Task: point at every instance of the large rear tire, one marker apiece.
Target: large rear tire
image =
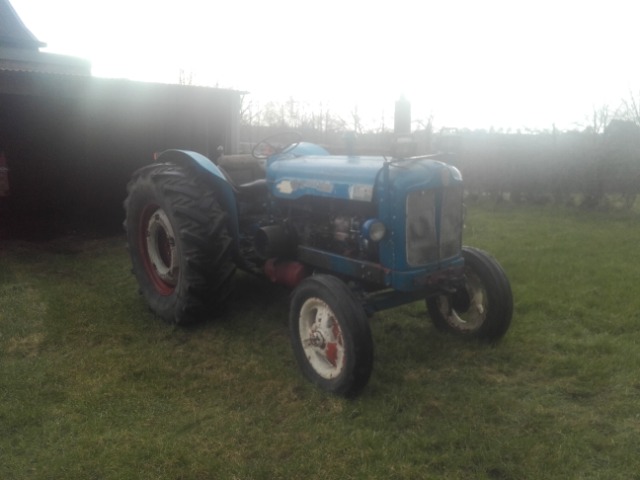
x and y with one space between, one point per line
330 335
483 307
179 243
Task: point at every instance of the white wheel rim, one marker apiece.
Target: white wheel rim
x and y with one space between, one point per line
161 247
475 315
321 338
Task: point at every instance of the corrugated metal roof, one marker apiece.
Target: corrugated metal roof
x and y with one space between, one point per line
19 59
14 33
38 83
19 49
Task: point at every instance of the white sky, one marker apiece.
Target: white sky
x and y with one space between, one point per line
475 64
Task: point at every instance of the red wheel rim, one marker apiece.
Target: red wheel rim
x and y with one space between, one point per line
157 246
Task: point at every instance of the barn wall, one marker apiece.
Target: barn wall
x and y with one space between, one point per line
72 144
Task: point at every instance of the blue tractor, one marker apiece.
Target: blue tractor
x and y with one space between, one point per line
350 235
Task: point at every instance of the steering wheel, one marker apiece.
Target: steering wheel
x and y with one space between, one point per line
277 143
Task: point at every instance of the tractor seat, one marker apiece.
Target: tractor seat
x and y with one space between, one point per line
243 168
246 174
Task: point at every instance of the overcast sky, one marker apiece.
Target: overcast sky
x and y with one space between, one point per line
475 64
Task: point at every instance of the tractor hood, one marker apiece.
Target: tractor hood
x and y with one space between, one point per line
343 177
351 177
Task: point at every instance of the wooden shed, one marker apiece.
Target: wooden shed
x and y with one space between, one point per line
69 141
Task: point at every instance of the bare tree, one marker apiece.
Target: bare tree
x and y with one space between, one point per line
250 112
357 121
631 108
184 77
600 118
595 158
292 108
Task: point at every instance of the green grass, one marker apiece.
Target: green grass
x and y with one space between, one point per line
92 386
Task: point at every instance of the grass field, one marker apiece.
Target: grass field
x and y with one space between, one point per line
92 386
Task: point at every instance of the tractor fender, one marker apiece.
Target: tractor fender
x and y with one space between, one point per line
224 188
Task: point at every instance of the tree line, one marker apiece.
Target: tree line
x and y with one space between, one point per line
592 166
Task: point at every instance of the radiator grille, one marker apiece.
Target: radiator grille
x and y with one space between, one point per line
451 222
434 225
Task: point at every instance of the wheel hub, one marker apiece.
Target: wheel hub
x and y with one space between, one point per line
317 340
460 300
161 248
322 339
465 310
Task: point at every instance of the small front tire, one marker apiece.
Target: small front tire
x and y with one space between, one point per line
330 335
482 307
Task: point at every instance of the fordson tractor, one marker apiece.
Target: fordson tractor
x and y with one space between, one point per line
349 235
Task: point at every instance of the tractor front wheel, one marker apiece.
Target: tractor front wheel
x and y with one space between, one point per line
330 335
179 243
482 307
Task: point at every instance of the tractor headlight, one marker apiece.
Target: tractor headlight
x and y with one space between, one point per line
455 173
373 230
448 173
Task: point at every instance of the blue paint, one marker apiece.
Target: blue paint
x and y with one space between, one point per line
405 177
301 149
308 170
349 178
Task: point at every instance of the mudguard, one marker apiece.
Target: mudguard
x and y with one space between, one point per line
207 167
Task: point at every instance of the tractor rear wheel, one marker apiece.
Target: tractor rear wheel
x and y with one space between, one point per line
483 307
179 243
330 335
